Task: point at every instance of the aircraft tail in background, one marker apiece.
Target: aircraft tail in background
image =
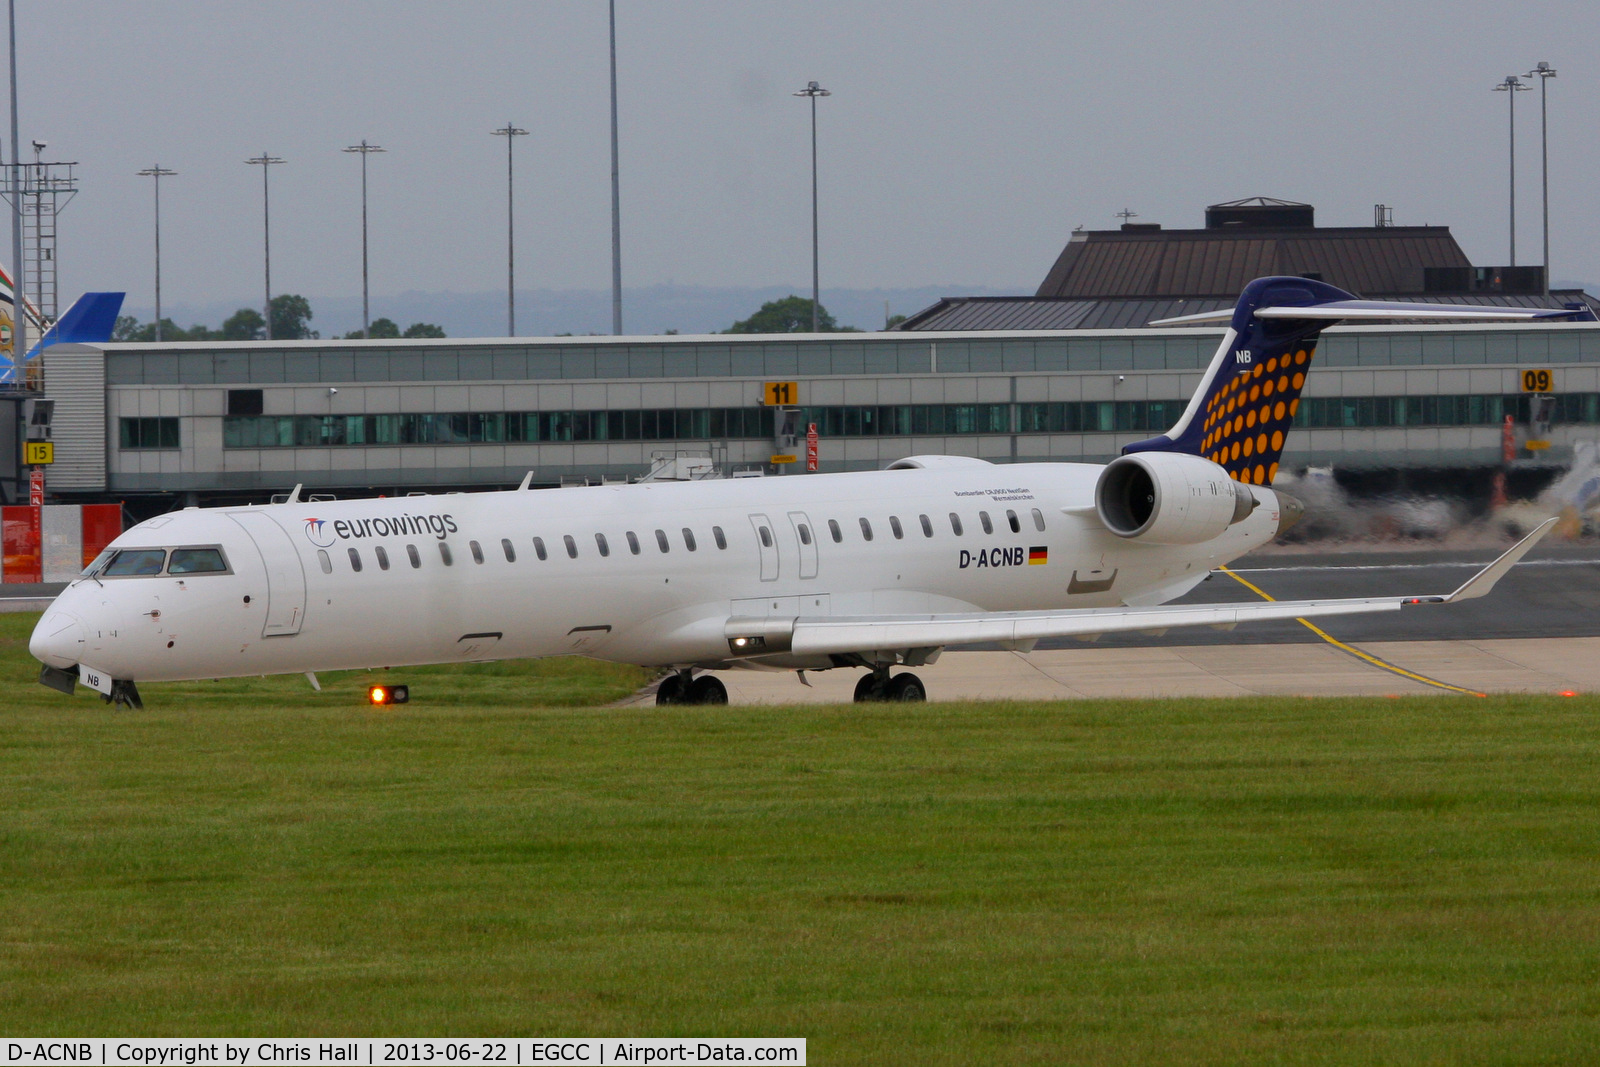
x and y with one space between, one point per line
1247 400
89 320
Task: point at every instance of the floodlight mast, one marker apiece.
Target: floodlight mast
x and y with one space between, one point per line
266 162
1511 87
813 90
510 132
616 189
19 290
365 150
1544 72
157 172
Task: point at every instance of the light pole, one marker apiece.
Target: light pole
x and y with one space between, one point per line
616 190
813 90
510 132
18 268
158 172
366 150
266 163
1511 87
1544 72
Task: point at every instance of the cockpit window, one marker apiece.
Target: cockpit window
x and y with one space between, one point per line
136 561
99 561
196 561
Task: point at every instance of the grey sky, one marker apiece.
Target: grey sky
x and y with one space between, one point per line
962 145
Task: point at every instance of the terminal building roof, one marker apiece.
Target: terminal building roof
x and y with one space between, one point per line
1124 278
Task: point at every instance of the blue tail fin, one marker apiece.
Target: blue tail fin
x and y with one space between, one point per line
1242 412
1247 400
89 320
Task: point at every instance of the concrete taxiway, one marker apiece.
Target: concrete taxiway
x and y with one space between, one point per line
1496 666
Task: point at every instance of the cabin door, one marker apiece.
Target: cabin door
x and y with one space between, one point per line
286 579
805 536
767 541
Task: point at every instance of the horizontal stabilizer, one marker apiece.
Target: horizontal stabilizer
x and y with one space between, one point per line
1376 311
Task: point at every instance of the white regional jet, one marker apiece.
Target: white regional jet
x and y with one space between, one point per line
868 570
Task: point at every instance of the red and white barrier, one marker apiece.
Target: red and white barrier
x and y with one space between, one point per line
54 542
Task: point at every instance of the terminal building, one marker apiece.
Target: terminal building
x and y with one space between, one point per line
1047 377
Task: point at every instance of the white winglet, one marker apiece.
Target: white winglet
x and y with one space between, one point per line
1484 580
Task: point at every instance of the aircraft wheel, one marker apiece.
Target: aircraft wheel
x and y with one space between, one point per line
707 689
867 691
907 688
671 690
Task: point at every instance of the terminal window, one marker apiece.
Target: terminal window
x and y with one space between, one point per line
244 402
146 434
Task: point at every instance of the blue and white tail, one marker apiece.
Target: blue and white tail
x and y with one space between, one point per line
1242 412
90 320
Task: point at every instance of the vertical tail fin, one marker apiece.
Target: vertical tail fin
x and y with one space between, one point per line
90 320
1241 415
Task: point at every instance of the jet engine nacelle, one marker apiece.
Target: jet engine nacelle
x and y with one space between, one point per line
1169 498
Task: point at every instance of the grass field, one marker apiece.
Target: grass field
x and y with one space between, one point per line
1210 882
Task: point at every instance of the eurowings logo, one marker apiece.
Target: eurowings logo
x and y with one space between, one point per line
318 533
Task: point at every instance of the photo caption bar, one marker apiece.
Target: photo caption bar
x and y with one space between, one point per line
308 1052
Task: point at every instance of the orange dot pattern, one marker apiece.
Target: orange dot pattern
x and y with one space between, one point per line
1247 421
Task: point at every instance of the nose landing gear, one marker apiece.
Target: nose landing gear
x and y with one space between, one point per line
123 694
878 687
681 687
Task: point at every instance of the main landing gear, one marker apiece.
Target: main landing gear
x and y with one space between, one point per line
681 687
877 687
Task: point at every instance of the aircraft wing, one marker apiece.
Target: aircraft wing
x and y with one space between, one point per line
824 635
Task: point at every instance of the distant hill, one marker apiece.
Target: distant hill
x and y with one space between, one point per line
545 312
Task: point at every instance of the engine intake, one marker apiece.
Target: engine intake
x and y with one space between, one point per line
1169 498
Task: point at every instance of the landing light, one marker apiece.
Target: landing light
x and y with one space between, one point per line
379 695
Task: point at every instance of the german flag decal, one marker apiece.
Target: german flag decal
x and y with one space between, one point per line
1038 554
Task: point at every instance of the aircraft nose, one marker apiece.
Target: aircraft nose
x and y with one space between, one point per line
58 639
1290 511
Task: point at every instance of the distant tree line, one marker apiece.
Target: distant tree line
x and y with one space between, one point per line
291 321
792 314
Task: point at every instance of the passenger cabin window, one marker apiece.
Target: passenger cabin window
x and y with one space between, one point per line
955 524
355 560
1016 523
866 529
688 539
927 525
805 533
506 547
894 527
196 561
766 537
717 536
572 546
416 558
661 541
983 520
538 548
633 542
833 528
600 543
477 551
1038 520
136 562
383 558
324 562
444 554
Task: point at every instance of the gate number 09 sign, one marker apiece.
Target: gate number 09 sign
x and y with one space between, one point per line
1537 381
